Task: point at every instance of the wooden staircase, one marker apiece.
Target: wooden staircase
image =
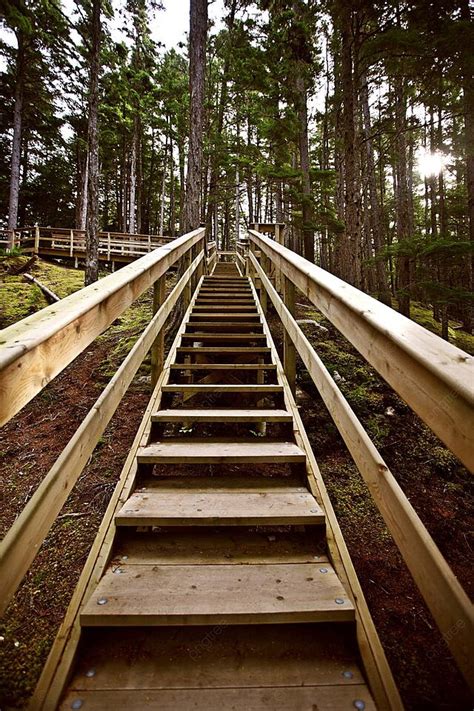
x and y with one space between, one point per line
219 592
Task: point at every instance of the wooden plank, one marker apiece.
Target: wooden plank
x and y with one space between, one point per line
222 415
225 300
227 307
248 389
210 450
240 483
218 594
322 698
443 593
285 655
223 366
155 506
225 326
202 350
226 289
22 542
434 377
229 547
223 337
35 350
198 315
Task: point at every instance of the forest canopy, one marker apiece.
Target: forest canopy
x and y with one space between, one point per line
350 122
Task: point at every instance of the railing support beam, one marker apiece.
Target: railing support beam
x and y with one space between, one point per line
289 351
158 347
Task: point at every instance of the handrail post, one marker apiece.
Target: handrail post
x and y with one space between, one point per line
158 347
264 261
71 243
201 246
108 246
187 258
289 351
37 240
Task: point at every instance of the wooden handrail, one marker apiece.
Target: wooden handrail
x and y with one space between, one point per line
35 350
449 604
102 234
435 378
22 542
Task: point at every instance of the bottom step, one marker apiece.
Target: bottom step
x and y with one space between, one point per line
322 698
194 665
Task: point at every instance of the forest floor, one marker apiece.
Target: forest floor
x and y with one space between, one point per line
437 485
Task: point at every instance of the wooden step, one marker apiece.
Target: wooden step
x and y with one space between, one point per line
222 415
229 546
225 290
228 309
225 299
309 657
224 325
223 366
223 336
322 698
248 389
212 450
218 316
243 289
203 350
219 595
290 655
159 505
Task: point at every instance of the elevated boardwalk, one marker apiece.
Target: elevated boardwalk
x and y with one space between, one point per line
219 578
70 244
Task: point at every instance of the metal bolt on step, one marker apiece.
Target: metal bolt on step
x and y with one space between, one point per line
314 510
90 673
359 704
347 674
324 570
339 601
77 704
102 601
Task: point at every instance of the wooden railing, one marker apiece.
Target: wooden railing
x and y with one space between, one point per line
113 246
434 378
35 350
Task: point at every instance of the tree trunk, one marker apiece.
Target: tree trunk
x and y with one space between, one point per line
17 127
221 101
402 198
376 220
133 176
82 218
348 248
303 145
92 236
197 68
468 110
163 189
172 220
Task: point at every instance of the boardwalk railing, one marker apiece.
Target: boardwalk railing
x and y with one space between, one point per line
35 350
113 246
434 378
